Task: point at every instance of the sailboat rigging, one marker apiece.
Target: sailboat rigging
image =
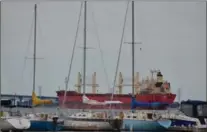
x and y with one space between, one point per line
141 120
35 100
85 99
71 60
119 55
135 103
89 120
37 124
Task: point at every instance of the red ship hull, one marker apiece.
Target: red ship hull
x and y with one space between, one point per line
74 100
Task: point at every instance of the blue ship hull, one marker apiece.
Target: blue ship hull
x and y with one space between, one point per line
135 104
182 122
38 125
143 125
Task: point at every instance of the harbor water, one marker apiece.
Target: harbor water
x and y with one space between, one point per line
132 131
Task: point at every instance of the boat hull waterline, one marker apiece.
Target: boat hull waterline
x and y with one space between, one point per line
92 124
183 123
38 125
145 125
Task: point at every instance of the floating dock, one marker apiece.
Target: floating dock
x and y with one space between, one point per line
189 129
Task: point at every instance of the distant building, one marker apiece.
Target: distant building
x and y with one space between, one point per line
11 100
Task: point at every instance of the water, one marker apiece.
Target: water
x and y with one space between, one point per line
121 131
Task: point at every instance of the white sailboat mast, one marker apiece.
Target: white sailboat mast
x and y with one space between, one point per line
133 49
84 48
35 42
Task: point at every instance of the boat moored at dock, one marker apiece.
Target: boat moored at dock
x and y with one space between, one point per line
44 122
179 119
8 122
144 121
90 121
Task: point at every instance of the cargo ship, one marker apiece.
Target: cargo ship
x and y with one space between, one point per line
148 90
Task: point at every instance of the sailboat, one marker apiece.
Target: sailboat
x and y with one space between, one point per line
142 120
14 123
182 118
88 120
179 119
8 122
41 122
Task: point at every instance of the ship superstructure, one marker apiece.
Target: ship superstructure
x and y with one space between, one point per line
148 89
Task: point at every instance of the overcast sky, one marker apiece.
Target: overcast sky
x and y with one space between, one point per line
172 36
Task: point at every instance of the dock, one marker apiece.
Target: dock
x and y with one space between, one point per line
189 129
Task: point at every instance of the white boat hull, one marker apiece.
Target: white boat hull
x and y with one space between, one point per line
5 125
87 125
91 121
14 123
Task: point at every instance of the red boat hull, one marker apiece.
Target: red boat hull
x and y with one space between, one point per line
162 98
74 100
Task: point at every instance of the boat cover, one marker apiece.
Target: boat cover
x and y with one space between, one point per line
86 100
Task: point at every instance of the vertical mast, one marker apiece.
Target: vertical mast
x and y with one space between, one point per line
84 48
0 56
35 39
179 95
206 40
132 48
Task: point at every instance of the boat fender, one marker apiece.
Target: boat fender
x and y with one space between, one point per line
144 116
105 115
20 121
41 116
99 115
1 114
102 115
189 126
46 117
205 119
156 116
121 115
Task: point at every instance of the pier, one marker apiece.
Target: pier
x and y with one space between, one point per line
188 129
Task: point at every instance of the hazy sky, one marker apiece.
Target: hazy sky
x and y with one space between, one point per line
172 36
